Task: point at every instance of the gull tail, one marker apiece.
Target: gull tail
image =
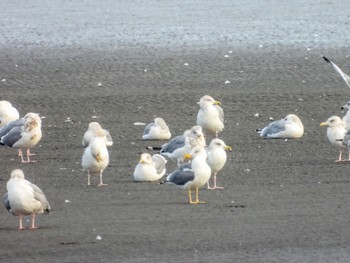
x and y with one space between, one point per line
153 148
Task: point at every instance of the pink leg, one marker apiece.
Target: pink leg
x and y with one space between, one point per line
33 222
215 186
20 153
20 223
101 183
29 153
89 183
340 155
208 185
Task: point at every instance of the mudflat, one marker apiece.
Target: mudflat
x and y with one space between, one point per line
123 63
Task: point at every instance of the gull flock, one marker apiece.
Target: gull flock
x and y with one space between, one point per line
197 163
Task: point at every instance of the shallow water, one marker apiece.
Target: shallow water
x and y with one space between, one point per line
113 24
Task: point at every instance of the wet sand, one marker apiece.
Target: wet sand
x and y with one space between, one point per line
284 200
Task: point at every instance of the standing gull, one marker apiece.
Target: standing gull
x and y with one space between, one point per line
196 177
8 113
210 115
289 127
149 168
217 157
346 117
93 130
177 147
346 143
24 198
156 130
345 77
335 133
95 157
24 136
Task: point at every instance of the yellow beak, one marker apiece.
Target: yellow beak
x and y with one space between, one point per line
229 148
187 156
324 124
217 102
98 158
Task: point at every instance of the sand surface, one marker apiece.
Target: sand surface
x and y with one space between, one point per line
121 62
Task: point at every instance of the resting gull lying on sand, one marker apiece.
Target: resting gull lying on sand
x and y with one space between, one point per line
210 115
194 178
24 198
335 133
156 130
150 168
289 127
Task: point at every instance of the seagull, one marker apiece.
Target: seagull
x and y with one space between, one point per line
335 133
345 77
22 136
346 117
95 158
24 198
156 130
194 178
93 130
210 115
177 147
289 127
150 168
346 142
8 113
216 158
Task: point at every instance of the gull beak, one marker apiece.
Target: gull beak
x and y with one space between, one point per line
187 156
229 148
98 158
323 124
142 161
217 103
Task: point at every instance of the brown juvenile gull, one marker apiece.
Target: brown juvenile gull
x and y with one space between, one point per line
24 198
210 115
92 131
290 127
194 178
23 136
95 158
156 130
150 168
217 157
8 113
335 133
